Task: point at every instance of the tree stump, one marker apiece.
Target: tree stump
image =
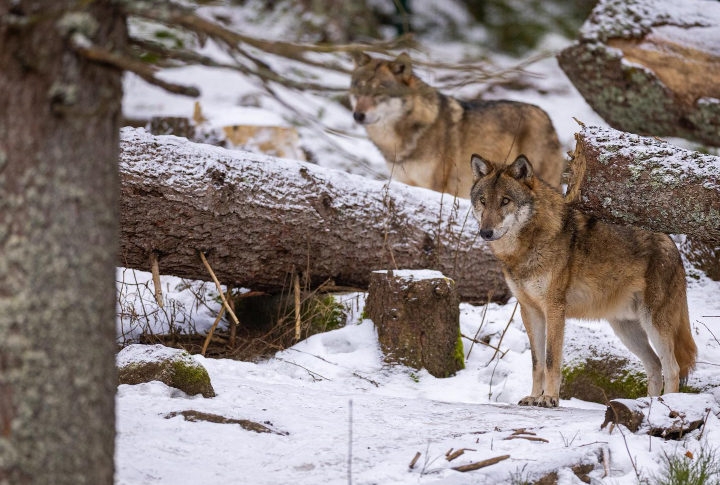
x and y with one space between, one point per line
417 316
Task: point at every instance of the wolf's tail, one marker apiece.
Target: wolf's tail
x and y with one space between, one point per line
685 348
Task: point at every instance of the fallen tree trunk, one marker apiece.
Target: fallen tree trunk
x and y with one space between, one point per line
259 219
628 179
651 67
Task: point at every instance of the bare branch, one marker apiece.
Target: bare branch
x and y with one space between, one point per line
172 14
87 49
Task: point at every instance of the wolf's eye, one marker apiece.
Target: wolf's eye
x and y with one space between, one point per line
504 201
482 200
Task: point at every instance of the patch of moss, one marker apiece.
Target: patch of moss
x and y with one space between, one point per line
459 353
191 378
601 380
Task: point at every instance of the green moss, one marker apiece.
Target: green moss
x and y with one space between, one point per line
191 378
325 314
600 380
459 353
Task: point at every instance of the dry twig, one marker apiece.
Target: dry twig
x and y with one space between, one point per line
481 464
219 288
155 270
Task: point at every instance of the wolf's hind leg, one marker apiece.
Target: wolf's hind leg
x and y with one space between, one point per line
632 334
663 341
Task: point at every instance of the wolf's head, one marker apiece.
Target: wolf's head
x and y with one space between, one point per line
382 90
501 196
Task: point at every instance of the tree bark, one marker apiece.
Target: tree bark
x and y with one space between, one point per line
647 72
258 218
59 123
628 179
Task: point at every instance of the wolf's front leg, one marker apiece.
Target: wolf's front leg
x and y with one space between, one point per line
534 322
553 358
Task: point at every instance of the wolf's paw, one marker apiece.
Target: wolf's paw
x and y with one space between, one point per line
547 401
528 401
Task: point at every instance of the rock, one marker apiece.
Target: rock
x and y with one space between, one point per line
602 378
175 368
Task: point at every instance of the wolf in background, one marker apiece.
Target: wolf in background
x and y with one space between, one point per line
427 137
561 263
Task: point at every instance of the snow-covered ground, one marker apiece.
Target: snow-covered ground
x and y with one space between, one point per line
340 411
342 415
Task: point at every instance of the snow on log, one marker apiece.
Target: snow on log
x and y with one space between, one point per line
258 219
671 416
651 66
629 179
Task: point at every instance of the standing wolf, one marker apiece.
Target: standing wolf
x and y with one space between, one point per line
427 137
561 263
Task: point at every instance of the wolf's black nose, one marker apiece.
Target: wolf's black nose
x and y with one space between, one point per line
486 234
359 117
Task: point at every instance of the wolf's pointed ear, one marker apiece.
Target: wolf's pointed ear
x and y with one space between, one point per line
402 66
360 58
480 167
521 169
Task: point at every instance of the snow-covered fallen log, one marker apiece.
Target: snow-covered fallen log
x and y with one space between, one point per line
258 219
651 66
629 179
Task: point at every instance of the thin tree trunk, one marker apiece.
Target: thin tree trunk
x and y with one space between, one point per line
629 179
59 122
258 219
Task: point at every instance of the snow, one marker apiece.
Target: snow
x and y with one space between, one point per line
350 417
308 391
137 353
619 18
415 274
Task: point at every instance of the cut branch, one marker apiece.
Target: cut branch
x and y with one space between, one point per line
257 218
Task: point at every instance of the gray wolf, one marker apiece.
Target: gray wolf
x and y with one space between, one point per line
427 137
561 263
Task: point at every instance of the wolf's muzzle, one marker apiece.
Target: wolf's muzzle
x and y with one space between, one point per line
487 234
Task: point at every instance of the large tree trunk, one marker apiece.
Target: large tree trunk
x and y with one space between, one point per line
258 219
628 179
648 72
59 122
